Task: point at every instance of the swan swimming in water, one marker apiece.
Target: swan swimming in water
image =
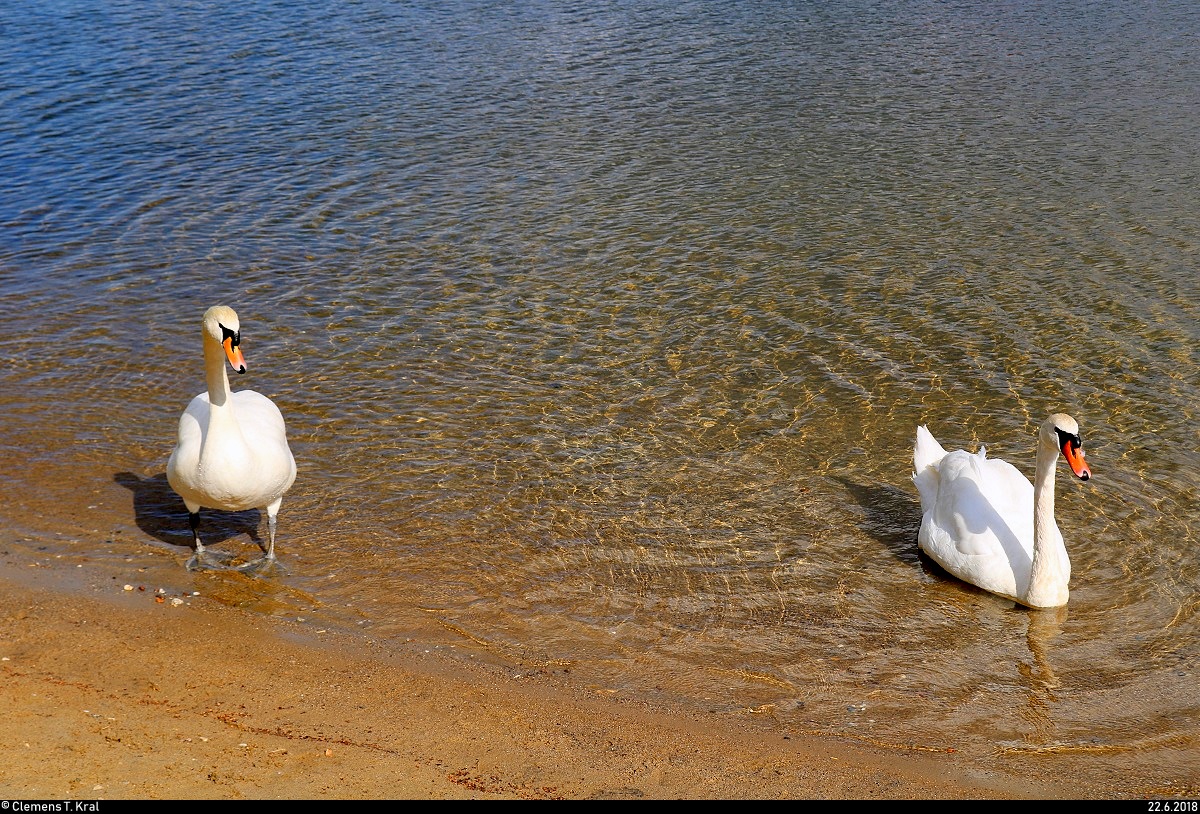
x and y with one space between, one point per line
232 452
987 525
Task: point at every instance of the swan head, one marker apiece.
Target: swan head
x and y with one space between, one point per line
221 327
1061 432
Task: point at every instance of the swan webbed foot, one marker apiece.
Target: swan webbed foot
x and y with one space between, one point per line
205 559
263 566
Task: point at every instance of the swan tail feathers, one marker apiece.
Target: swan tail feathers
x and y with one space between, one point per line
927 451
927 454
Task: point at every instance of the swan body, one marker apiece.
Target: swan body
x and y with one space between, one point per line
232 452
985 523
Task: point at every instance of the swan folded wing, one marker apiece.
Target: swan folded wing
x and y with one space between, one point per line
980 528
258 416
265 436
986 505
190 430
184 463
987 569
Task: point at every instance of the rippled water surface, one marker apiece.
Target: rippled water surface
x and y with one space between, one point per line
603 334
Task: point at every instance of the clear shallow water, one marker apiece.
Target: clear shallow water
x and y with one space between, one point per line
602 335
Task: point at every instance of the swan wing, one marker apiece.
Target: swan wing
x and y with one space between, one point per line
979 523
184 463
265 435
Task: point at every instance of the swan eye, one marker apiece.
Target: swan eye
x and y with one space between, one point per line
234 337
1065 438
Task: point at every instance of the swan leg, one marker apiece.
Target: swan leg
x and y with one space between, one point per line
268 561
202 557
194 522
197 560
271 537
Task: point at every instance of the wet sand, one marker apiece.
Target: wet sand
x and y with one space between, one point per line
122 696
116 687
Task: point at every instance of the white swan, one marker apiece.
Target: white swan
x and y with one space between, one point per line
987 525
232 453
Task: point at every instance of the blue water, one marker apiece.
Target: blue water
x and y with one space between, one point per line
603 333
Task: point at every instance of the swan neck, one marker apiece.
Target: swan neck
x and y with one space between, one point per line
1047 581
215 374
1043 495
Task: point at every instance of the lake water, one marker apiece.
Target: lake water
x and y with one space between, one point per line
602 335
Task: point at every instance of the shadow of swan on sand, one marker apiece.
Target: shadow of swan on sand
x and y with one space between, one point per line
161 513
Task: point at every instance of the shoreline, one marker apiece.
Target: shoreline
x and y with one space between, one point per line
134 694
250 691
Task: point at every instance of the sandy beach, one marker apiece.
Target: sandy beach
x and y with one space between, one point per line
128 697
116 689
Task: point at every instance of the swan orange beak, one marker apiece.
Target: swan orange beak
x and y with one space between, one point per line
1074 456
234 354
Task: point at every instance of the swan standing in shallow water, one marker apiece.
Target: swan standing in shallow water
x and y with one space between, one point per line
987 525
232 453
